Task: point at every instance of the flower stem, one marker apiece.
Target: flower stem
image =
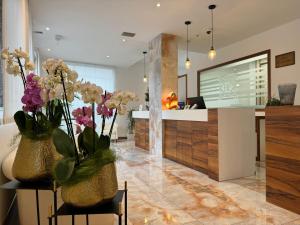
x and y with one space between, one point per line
22 72
113 123
94 129
103 117
69 121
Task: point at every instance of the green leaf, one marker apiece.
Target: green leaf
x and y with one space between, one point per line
91 165
20 120
29 123
57 114
63 143
87 140
64 169
104 142
80 141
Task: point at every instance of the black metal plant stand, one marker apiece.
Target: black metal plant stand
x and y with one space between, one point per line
36 186
112 207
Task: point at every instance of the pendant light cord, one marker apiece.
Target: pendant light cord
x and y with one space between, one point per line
144 63
187 41
212 28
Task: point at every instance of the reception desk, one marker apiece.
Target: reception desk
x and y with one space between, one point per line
218 142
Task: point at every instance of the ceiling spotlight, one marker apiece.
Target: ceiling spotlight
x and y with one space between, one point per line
158 4
123 39
107 56
47 28
49 50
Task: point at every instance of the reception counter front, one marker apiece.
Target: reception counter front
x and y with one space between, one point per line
218 142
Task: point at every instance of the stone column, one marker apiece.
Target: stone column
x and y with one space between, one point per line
163 72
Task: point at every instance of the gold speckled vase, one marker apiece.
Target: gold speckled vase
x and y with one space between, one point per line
101 187
35 160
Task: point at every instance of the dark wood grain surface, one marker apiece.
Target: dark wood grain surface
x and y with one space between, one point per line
170 136
213 148
199 146
186 142
283 156
142 133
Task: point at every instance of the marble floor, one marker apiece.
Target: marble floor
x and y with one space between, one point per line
164 192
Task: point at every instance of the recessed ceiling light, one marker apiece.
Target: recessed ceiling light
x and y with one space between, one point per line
123 39
49 50
47 28
107 56
158 4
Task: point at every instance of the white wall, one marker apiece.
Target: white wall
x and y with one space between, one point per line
130 79
280 40
197 60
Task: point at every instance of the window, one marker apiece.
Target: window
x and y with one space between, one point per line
101 76
240 83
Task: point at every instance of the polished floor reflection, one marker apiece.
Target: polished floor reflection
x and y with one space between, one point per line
164 192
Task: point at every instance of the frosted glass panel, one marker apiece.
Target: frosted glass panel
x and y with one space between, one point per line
240 84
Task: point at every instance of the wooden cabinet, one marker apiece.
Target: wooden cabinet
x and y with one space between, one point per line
199 146
142 133
283 156
213 144
186 142
170 143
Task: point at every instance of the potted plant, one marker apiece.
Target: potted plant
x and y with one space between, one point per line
273 102
87 171
36 154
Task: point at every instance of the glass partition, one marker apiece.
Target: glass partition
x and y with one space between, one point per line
242 83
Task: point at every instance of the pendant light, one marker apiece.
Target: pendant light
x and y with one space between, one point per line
145 79
187 61
212 52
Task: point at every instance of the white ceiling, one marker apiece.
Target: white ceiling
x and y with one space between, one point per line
92 28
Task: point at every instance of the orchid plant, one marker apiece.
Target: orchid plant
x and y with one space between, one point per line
86 155
31 121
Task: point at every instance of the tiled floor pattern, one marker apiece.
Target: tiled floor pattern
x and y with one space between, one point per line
164 192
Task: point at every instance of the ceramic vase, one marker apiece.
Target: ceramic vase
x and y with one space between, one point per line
35 160
97 189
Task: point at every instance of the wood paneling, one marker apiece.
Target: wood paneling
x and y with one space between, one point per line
199 146
147 135
213 148
170 136
142 133
283 156
186 142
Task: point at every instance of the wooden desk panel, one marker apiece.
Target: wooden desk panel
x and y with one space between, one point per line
142 133
283 156
170 136
199 146
146 135
213 146
184 142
